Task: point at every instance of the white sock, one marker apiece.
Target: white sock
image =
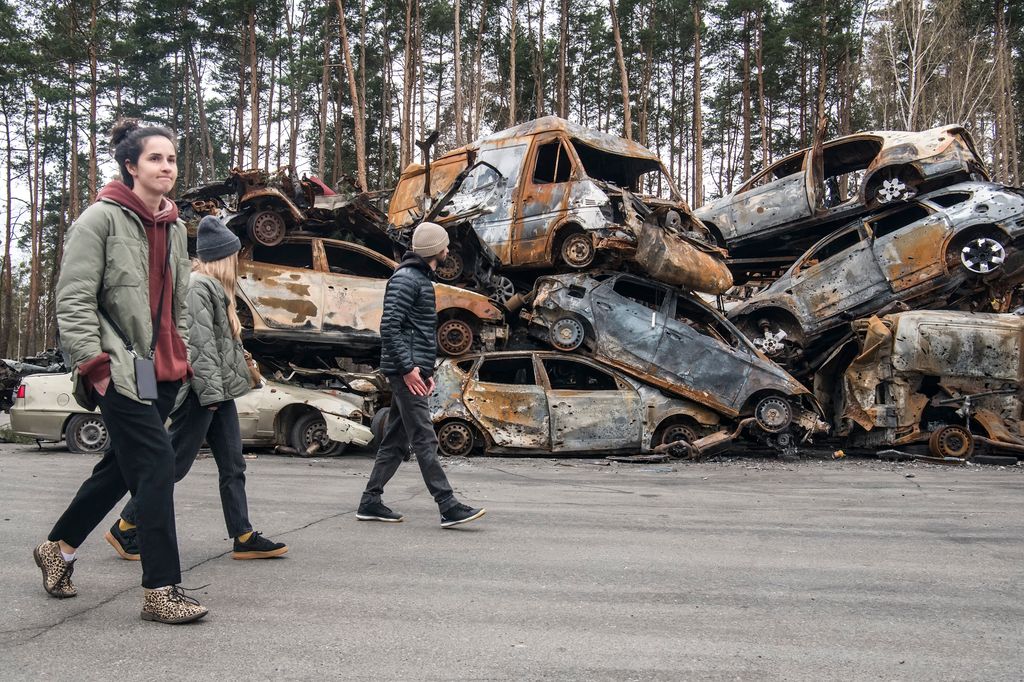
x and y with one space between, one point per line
68 557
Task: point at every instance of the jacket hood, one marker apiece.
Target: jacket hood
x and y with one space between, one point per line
121 194
414 260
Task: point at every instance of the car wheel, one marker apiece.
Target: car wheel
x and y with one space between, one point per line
311 428
266 228
982 255
86 433
567 334
774 338
773 414
455 438
455 336
951 441
451 269
377 424
503 291
578 250
673 432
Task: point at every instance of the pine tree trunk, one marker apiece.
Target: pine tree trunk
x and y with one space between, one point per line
357 104
512 65
698 131
407 82
254 93
563 46
6 294
746 98
627 121
760 89
93 85
206 145
35 208
76 200
478 71
459 140
325 95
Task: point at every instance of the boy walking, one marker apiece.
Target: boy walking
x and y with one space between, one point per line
408 334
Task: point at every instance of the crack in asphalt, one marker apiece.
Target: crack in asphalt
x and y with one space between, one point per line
571 485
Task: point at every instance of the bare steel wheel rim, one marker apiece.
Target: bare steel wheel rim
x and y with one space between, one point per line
267 228
455 337
678 432
316 432
451 269
92 435
456 439
578 250
567 334
982 255
773 414
953 441
503 289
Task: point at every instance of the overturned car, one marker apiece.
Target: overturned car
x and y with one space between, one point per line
308 295
951 380
544 402
672 340
951 247
550 194
815 188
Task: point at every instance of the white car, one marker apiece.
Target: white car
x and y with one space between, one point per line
312 422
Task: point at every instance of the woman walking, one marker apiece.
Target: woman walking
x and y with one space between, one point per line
220 375
121 315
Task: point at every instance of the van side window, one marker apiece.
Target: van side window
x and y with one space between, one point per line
553 164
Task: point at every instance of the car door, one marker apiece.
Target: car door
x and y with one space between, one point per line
907 242
629 320
543 200
354 285
776 196
590 409
702 354
505 398
495 228
283 285
839 274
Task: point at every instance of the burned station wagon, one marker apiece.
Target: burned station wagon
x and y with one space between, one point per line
937 249
949 379
851 175
553 194
542 402
327 293
671 340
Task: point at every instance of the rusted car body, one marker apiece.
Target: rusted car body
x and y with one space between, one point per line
940 249
306 421
313 293
266 207
552 194
808 191
671 340
952 379
544 402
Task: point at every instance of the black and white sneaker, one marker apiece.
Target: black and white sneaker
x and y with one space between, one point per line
460 514
377 511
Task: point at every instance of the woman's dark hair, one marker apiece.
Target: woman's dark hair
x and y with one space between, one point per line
127 138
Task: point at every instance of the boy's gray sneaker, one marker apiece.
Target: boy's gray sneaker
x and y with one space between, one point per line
460 514
377 511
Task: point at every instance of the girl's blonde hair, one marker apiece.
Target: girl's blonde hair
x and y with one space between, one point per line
225 271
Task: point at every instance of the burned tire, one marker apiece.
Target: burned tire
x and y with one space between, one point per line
455 438
452 268
951 441
567 334
266 228
311 428
674 431
377 426
578 250
87 434
455 336
773 414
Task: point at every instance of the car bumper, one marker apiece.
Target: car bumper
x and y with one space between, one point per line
38 424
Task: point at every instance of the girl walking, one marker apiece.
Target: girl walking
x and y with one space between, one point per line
121 315
220 375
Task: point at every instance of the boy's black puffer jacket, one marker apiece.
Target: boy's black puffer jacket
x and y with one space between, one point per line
408 328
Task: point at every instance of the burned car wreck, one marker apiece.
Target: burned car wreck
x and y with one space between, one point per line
951 380
550 194
948 248
544 402
309 295
803 194
674 341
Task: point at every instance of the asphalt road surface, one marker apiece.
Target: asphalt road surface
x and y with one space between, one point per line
742 569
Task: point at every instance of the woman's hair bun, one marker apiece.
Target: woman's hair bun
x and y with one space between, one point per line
121 130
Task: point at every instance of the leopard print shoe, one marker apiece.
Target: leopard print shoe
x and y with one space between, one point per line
56 571
171 605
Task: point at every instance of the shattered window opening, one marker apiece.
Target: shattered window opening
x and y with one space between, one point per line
645 295
344 261
570 375
704 322
780 170
288 254
837 244
507 371
621 171
465 366
950 199
553 164
897 220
